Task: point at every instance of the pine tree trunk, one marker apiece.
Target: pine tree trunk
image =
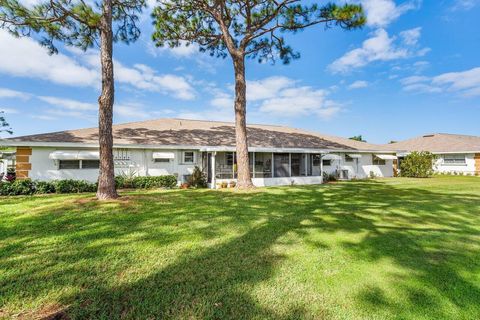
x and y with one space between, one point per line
106 180
244 180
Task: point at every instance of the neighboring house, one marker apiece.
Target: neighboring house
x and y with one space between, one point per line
278 155
455 153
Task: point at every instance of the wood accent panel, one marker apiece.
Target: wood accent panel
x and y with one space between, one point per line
477 163
22 158
24 151
22 174
23 165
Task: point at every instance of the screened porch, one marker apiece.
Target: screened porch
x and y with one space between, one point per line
269 165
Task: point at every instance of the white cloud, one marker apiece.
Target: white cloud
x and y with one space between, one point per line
8 110
23 57
413 79
267 88
185 50
298 102
410 37
358 84
26 58
68 103
381 13
379 47
465 83
464 4
8 93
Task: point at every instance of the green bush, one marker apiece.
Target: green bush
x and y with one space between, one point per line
417 165
18 187
125 180
328 177
74 186
28 187
154 182
197 179
43 187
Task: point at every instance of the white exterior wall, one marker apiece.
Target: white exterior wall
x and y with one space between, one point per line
360 168
141 162
284 181
467 168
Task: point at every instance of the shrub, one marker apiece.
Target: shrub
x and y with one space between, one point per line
417 165
329 177
74 186
11 175
197 179
43 187
18 187
125 180
154 182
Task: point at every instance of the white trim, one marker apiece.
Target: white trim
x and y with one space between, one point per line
163 155
331 156
354 155
386 156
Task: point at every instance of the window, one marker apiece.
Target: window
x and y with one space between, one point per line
69 164
327 162
90 164
377 161
188 157
454 159
229 158
348 158
78 164
158 160
316 160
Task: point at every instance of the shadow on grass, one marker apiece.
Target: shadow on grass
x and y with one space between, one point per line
224 247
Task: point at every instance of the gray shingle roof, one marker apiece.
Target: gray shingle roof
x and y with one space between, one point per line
439 142
163 132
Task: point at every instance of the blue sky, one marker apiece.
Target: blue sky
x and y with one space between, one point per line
413 69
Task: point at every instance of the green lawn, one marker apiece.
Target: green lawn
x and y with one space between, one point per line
383 249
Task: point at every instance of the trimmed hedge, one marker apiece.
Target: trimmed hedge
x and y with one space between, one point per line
146 182
29 187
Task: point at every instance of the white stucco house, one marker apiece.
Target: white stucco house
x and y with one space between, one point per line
278 155
459 154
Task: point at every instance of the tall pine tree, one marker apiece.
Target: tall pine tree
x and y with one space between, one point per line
245 29
84 25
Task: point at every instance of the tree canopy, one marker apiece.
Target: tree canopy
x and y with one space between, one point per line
4 125
73 22
358 138
254 27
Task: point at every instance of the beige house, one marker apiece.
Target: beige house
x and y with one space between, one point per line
456 153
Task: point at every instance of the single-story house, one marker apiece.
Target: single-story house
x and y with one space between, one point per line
278 155
455 153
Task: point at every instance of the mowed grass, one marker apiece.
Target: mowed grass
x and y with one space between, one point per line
382 249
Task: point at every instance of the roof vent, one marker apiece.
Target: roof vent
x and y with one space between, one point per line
428 135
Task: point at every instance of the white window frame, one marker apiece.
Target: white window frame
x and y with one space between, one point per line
455 159
80 164
188 162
